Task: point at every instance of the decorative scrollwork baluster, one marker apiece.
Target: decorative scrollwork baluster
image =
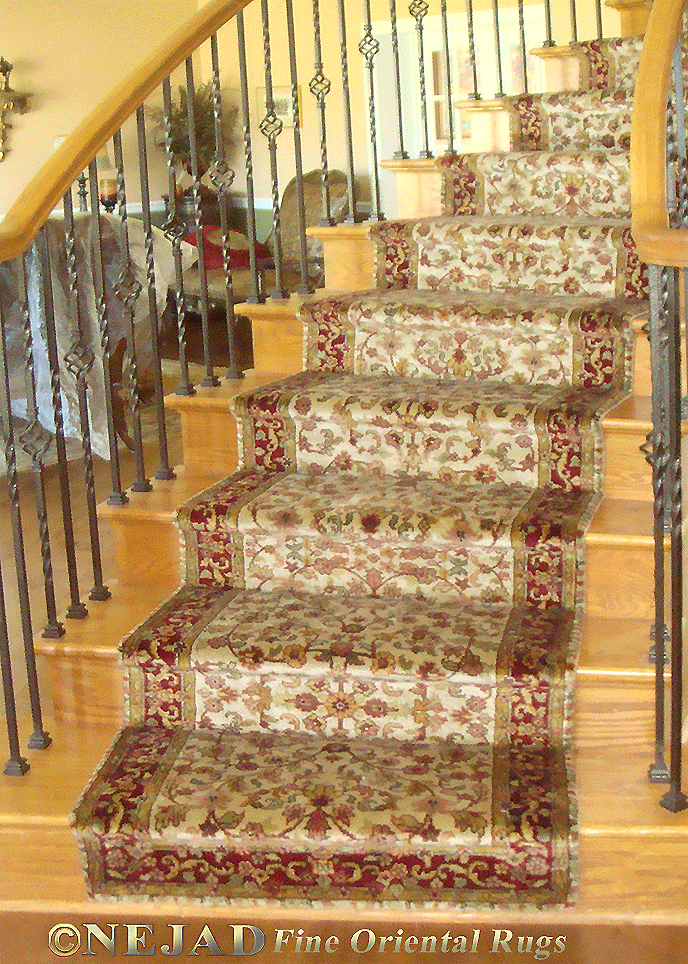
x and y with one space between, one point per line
419 10
79 361
128 289
369 47
222 178
271 127
39 738
35 441
401 152
256 292
175 231
320 87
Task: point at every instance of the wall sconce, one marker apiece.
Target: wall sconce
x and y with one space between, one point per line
9 100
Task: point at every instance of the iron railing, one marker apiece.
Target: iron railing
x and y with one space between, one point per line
87 308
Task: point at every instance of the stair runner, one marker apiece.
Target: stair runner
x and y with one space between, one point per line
363 690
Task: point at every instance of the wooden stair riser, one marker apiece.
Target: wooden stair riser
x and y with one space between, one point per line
620 580
627 474
146 551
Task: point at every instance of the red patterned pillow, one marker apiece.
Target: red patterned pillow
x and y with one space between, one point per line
238 245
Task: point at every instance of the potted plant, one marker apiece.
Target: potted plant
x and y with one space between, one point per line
204 125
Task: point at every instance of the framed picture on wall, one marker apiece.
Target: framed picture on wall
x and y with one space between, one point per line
282 98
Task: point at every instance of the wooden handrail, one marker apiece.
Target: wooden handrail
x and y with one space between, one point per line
657 242
63 167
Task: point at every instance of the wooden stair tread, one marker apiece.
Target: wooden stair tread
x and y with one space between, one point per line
627 839
164 498
217 398
99 634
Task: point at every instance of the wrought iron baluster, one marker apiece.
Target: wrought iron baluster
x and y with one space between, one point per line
175 231
548 25
117 496
39 739
271 127
473 60
16 766
256 293
305 286
128 290
498 49
369 48
674 799
209 379
222 177
79 361
449 105
598 15
401 152
164 470
76 609
35 441
656 455
418 10
524 47
320 87
346 100
574 21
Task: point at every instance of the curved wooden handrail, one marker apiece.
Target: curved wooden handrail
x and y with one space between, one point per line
657 243
46 189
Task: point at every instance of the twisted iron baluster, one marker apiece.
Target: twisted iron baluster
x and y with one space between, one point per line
79 361
674 799
76 609
16 766
320 87
209 379
346 100
498 49
35 441
222 178
175 231
524 49
164 471
448 74
39 738
548 25
475 94
656 455
418 10
401 152
117 496
256 293
677 173
369 48
271 127
306 285
128 290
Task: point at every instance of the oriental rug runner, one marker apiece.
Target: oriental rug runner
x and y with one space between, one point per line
363 690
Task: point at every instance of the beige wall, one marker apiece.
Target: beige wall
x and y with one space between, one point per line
70 53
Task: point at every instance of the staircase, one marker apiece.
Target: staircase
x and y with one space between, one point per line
363 688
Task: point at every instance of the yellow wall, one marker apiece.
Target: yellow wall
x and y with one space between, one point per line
70 53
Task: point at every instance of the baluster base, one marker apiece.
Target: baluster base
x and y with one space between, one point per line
659 772
53 631
77 611
39 740
16 768
675 801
